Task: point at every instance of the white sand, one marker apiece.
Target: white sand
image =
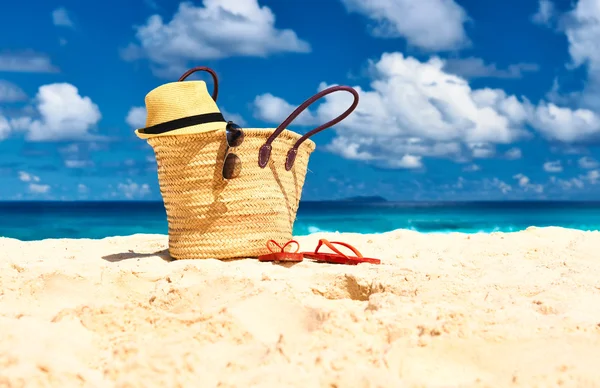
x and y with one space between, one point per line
499 310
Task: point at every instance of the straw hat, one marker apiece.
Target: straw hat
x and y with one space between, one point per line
180 108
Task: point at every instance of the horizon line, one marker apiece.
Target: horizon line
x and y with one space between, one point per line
308 201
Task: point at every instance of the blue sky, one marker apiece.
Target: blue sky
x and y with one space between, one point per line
460 99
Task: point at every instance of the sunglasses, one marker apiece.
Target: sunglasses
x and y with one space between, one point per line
232 163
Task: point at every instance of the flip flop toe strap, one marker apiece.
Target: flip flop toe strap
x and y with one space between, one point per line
329 244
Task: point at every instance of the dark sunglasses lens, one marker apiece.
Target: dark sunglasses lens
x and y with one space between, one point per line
232 166
235 134
235 137
232 126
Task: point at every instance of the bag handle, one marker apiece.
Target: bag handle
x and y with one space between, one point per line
264 153
208 70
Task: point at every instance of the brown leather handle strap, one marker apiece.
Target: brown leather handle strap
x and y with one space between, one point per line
264 154
215 93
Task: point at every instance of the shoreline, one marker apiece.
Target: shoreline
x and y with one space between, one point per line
325 234
502 309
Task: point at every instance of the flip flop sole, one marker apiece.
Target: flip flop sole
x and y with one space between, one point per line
282 257
337 259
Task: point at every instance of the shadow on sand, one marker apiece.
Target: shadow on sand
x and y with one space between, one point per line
116 257
164 254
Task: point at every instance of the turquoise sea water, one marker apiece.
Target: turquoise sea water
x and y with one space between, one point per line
39 220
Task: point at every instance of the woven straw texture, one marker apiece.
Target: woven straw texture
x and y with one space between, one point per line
210 217
175 100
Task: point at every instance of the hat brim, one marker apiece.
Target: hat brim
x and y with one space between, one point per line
190 130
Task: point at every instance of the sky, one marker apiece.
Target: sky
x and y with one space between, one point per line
459 99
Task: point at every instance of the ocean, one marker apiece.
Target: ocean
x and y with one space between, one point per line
40 220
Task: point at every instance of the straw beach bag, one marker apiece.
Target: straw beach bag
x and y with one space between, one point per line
227 190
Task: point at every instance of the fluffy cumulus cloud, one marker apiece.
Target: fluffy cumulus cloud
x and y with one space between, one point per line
583 32
218 29
565 124
275 109
61 113
136 118
432 25
581 25
415 108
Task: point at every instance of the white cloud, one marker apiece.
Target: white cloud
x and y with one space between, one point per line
63 114
476 68
34 184
513 153
350 150
564 124
433 25
412 108
275 109
27 177
587 162
567 184
523 180
60 17
26 62
218 29
136 118
82 189
581 26
545 13
37 188
10 92
132 190
583 33
555 166
417 108
525 183
482 150
408 161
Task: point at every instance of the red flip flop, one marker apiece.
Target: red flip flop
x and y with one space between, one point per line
282 254
338 257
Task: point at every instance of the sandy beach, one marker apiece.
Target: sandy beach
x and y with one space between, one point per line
457 310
